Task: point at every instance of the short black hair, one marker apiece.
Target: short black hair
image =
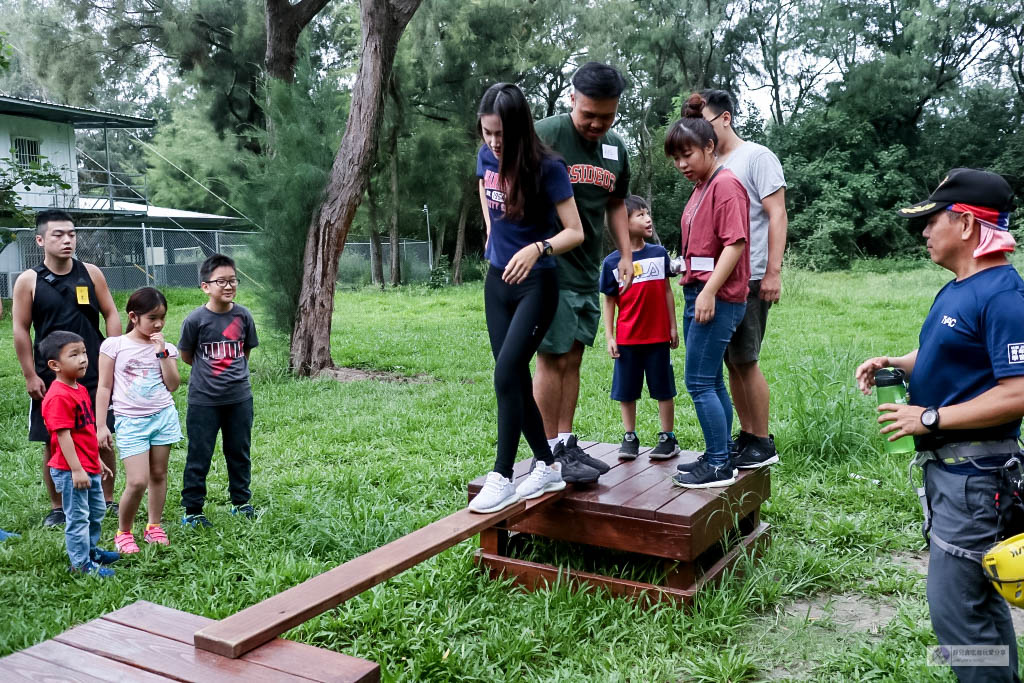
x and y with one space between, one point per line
213 263
599 81
54 342
636 203
720 101
44 218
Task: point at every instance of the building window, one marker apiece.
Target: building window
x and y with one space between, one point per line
26 152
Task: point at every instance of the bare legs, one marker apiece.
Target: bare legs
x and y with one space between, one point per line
556 387
142 471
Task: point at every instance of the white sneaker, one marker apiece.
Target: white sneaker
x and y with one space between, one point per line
542 479
497 494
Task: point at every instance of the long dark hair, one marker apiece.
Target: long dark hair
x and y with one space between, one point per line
143 301
522 152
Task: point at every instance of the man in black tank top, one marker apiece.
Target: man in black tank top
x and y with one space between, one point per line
61 293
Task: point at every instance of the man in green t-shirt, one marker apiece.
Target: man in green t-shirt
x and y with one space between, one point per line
599 170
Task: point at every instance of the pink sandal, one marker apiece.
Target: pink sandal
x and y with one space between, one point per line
125 543
155 534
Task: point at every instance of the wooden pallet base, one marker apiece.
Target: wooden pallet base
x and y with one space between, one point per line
535 575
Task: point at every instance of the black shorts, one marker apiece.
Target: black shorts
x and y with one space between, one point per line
637 360
745 346
37 428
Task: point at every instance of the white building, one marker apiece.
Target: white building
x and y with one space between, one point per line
34 132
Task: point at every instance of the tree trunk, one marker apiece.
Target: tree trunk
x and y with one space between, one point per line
376 264
460 238
382 23
396 256
439 226
285 22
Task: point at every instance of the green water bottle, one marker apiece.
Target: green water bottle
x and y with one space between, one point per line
891 387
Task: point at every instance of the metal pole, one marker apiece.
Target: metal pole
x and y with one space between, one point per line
430 244
110 184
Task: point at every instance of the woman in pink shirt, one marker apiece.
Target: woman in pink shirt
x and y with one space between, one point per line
715 233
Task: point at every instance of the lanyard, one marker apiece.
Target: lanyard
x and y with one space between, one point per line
700 200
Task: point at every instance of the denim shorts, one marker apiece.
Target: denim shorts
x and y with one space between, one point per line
136 434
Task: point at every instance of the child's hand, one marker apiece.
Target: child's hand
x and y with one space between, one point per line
673 338
704 307
103 437
105 472
79 479
613 348
158 341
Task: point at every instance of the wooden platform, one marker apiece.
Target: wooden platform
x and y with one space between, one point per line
699 533
147 642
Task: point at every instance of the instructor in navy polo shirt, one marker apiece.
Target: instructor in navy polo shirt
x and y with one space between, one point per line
965 405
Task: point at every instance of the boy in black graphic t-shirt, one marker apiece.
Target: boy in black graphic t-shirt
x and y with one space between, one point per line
216 340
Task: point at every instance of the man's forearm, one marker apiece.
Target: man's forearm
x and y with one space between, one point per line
23 349
1001 404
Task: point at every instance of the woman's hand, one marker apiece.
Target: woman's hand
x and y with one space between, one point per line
521 263
704 307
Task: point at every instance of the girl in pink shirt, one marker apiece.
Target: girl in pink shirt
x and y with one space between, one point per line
138 371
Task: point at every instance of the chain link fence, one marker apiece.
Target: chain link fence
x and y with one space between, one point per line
133 257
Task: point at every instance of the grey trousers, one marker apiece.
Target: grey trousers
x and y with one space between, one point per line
965 608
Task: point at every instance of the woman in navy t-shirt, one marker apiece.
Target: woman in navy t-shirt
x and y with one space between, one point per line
524 193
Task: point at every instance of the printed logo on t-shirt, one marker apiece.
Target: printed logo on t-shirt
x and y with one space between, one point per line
1015 352
224 353
646 269
492 191
83 414
585 174
948 321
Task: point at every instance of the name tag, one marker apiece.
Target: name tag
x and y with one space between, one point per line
83 294
702 263
610 152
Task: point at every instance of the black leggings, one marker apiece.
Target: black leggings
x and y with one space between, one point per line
518 317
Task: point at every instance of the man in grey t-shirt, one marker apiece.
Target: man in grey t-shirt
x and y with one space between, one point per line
761 174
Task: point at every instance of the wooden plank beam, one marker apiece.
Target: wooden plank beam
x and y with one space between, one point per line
284 655
71 659
255 625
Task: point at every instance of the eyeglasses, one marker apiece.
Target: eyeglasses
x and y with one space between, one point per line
717 117
222 283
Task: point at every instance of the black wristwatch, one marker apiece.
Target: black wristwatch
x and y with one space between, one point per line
930 419
164 354
547 248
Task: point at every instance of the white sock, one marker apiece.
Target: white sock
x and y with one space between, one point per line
553 442
564 436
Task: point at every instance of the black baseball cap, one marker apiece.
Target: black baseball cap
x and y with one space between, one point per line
965 186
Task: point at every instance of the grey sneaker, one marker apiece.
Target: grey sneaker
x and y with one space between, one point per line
573 471
691 466
54 518
706 476
630 447
497 494
543 478
667 447
584 458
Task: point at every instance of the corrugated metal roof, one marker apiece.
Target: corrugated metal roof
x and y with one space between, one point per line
79 117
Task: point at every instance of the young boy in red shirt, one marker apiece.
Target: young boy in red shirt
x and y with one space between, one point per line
641 339
75 465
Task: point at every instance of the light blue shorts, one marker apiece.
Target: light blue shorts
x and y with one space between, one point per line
136 434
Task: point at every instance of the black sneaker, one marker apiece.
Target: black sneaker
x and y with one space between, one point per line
630 447
691 466
585 458
194 521
757 453
705 476
667 447
55 518
739 442
112 508
247 511
573 471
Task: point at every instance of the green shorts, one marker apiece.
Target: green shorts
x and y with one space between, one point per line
576 320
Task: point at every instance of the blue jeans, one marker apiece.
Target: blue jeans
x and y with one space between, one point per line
84 510
705 351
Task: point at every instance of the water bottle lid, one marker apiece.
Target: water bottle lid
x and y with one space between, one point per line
890 377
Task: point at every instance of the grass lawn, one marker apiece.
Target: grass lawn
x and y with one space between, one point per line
340 469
